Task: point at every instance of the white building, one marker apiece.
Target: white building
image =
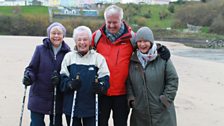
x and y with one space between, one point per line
147 1
160 2
21 2
73 3
12 3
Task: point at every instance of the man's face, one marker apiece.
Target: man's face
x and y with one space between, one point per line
113 23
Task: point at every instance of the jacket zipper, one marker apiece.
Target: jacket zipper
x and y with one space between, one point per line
144 81
55 58
117 56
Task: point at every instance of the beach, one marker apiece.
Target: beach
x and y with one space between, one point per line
199 100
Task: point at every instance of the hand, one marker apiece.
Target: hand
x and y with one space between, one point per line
75 84
163 51
98 88
131 103
55 80
164 100
26 80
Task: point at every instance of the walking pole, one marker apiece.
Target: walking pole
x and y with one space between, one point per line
55 98
73 104
21 115
54 109
96 81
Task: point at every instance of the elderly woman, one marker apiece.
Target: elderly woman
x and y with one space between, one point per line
152 84
43 75
87 64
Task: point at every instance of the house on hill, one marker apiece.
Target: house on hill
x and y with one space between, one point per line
78 3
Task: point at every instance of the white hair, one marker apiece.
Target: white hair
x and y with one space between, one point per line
82 29
113 9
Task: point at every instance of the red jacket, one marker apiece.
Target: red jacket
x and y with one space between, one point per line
117 55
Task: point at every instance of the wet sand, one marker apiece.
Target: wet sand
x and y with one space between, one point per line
216 55
198 103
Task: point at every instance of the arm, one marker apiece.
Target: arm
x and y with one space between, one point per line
171 83
103 74
32 69
64 74
163 51
130 93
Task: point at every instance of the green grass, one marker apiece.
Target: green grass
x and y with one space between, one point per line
23 10
155 22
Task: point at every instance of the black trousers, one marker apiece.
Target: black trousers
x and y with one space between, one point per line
87 121
119 106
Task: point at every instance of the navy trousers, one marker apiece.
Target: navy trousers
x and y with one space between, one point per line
37 119
87 121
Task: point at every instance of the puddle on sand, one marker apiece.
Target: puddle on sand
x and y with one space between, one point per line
206 54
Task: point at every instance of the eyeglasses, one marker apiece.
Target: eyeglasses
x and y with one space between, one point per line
56 33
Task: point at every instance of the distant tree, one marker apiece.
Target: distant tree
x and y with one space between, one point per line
204 1
218 25
148 14
171 8
141 21
129 11
144 10
163 15
209 15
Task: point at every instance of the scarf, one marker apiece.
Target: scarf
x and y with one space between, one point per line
114 37
56 50
150 56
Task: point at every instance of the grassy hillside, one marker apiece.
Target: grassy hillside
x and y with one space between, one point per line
35 20
155 21
24 10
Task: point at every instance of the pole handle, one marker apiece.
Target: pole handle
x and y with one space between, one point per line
77 76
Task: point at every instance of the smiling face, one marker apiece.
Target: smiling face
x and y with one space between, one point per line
56 36
83 42
113 23
144 46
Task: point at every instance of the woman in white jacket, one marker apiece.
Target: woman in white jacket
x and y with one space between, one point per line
87 64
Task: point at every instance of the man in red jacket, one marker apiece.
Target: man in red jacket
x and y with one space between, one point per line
114 43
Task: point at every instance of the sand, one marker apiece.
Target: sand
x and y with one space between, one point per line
199 101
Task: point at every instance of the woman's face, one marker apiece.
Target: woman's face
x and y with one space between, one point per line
83 42
56 36
144 46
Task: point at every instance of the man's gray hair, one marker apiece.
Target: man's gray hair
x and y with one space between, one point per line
113 9
81 29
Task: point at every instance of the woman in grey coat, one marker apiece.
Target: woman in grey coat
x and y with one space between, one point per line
152 84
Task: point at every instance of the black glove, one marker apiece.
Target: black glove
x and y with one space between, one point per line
98 88
26 79
131 103
75 84
163 51
55 79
